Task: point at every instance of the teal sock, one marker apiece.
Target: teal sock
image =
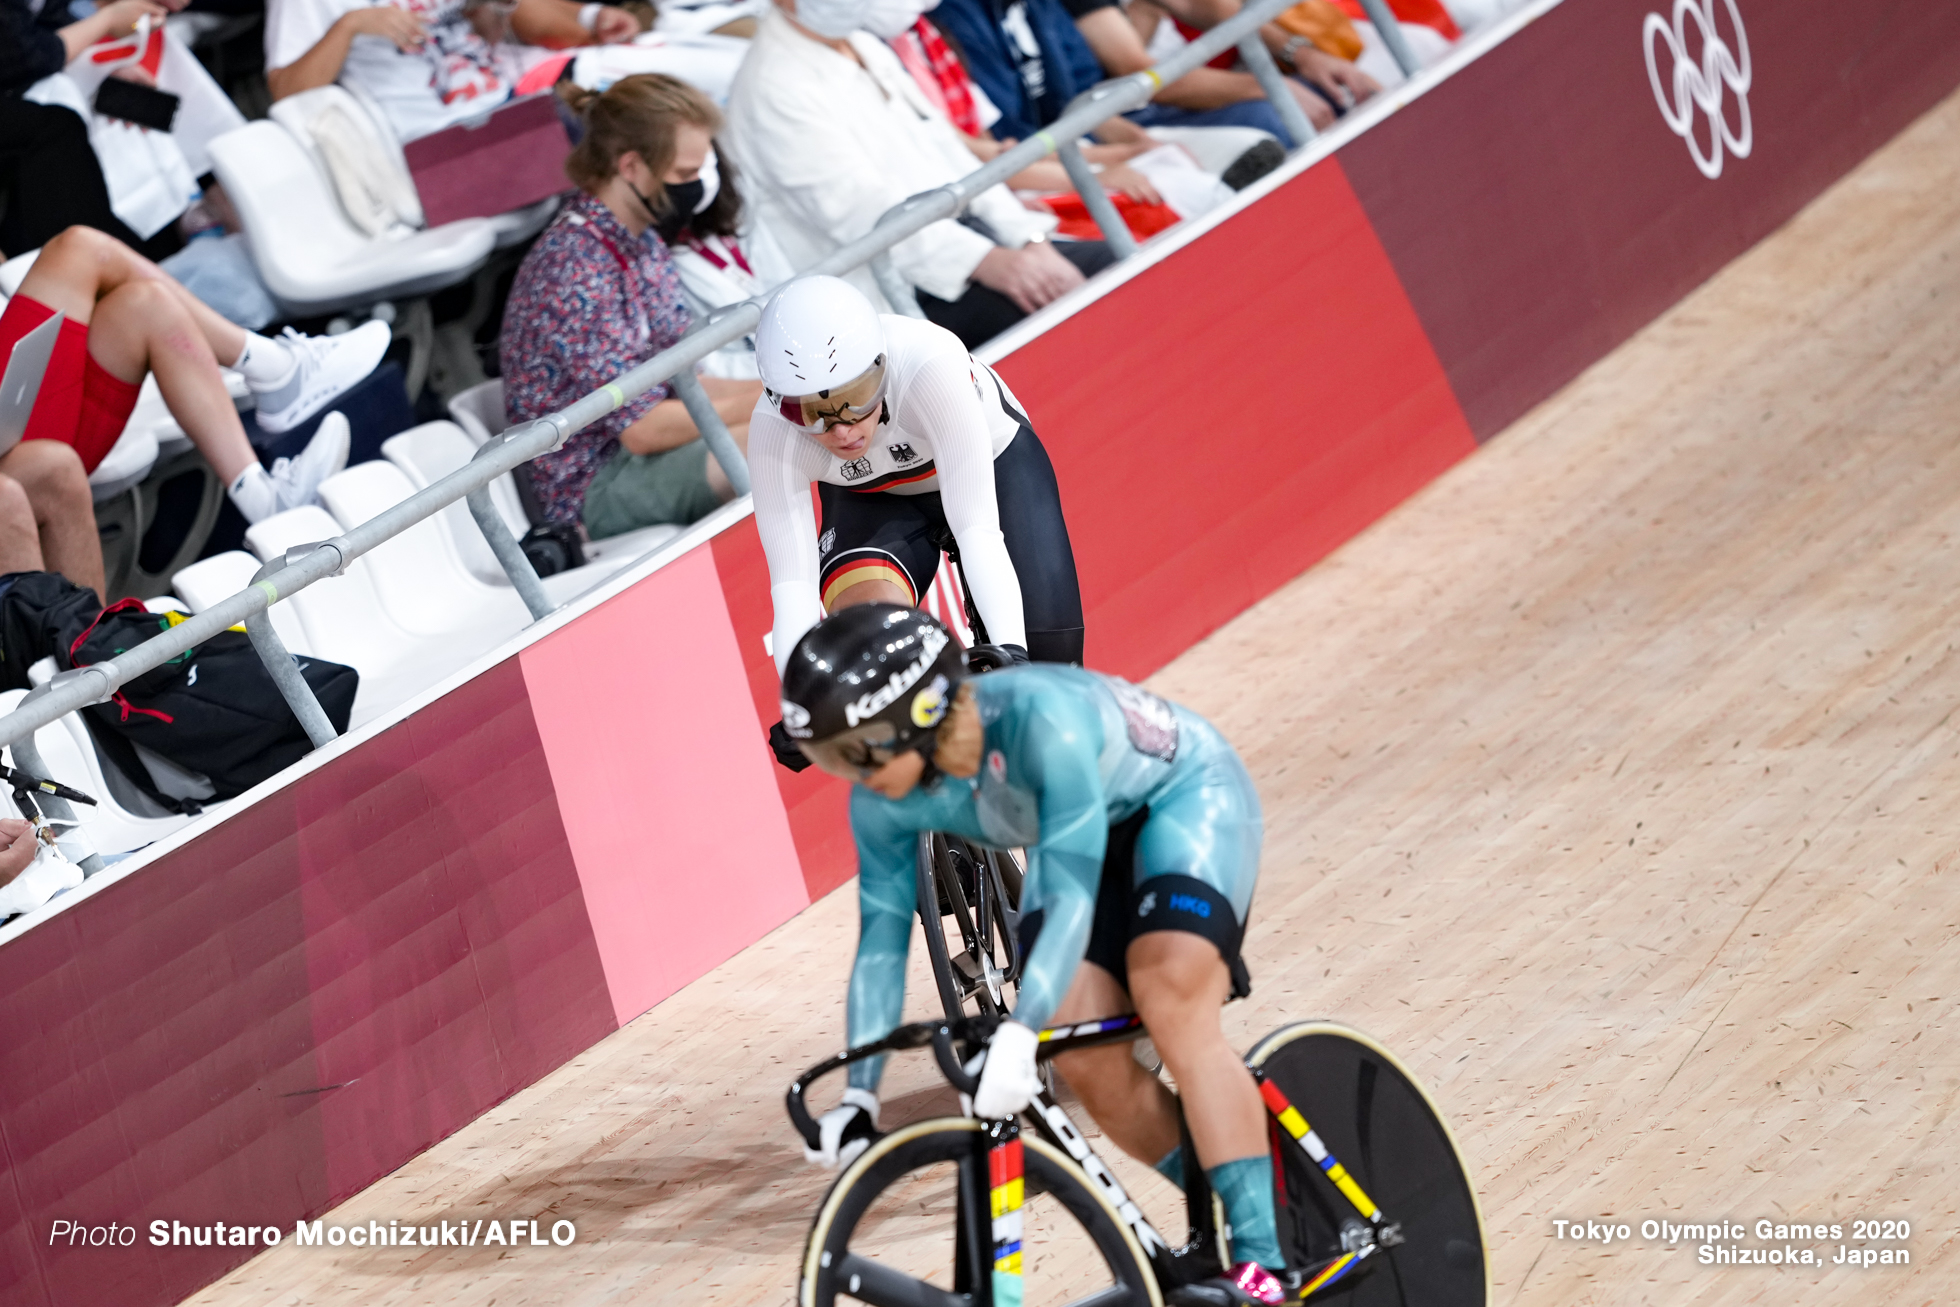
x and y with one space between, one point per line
1245 1186
1171 1166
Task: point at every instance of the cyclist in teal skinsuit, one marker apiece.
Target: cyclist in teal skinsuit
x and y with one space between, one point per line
1142 832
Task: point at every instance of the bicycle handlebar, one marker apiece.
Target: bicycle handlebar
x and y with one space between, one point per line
939 1034
988 658
949 1062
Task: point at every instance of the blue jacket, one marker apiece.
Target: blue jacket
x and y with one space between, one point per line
1068 65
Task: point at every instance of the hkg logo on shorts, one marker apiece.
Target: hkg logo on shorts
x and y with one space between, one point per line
1695 86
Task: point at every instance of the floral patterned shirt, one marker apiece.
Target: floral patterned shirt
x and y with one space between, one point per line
590 302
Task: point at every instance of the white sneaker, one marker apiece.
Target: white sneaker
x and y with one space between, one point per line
324 367
296 481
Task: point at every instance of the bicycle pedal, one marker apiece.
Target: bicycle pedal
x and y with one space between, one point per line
1203 1295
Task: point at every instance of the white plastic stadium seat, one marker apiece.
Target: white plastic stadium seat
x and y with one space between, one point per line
480 412
419 578
312 257
297 113
344 621
430 452
70 757
615 552
427 453
219 577
128 461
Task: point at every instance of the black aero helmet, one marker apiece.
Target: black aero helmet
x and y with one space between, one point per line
868 684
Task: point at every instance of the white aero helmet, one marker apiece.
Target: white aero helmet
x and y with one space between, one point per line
821 352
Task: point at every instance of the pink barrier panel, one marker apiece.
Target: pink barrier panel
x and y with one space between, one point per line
683 852
814 802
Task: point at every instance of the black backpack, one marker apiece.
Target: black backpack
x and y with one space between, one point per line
212 711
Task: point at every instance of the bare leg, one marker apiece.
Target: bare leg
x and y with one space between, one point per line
82 266
1131 1105
1180 984
140 327
20 539
61 507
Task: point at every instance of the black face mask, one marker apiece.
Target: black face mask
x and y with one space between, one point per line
683 197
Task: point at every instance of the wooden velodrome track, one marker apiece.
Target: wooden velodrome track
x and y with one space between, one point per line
1612 780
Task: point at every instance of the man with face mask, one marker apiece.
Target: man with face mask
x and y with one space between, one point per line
831 131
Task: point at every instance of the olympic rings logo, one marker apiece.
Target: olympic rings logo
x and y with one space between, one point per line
1699 87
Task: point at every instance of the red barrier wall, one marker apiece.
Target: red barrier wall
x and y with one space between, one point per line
281 1011
1222 421
269 1017
414 925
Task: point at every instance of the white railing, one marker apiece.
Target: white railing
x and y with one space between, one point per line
306 565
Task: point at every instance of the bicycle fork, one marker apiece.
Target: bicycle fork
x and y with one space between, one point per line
1005 1192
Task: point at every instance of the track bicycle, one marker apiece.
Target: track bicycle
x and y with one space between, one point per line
1375 1202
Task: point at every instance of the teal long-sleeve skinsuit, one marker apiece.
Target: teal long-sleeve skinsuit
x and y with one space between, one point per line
1067 754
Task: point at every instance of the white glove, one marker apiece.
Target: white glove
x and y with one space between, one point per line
1009 1079
845 1130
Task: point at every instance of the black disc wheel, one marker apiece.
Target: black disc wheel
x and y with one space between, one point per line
907 1225
1379 1124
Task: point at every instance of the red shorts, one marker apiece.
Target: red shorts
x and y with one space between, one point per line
80 403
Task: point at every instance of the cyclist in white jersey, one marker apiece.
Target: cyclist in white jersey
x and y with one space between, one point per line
916 448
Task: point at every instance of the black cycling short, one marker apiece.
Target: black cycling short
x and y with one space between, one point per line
866 534
1125 910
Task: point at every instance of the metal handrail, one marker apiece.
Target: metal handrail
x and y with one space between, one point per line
80 687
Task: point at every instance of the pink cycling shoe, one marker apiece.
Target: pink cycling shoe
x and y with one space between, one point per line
1258 1284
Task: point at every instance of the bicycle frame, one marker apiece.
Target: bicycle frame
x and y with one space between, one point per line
1205 1254
987 923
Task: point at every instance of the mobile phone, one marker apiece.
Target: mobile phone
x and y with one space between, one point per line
134 103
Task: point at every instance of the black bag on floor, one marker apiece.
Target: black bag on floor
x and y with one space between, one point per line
213 711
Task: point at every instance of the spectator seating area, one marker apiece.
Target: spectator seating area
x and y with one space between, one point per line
421 606
411 613
320 186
